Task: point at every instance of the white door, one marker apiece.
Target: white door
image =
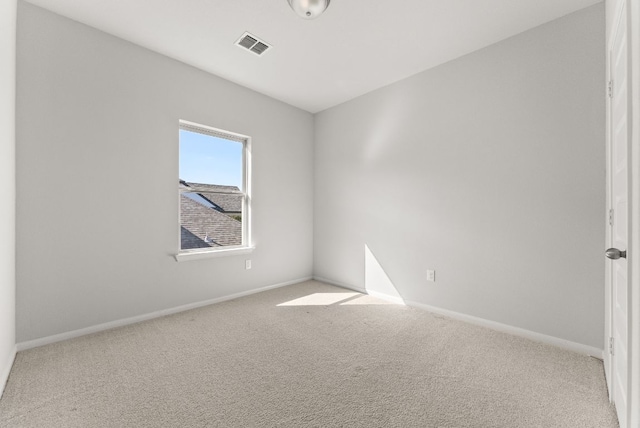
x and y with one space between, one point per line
618 191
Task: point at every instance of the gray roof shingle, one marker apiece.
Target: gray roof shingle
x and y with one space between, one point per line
203 227
229 202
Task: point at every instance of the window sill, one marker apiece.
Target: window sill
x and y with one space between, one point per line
209 254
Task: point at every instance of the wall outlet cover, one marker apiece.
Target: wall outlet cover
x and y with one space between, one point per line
431 275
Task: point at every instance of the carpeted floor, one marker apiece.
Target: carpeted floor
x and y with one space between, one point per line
304 356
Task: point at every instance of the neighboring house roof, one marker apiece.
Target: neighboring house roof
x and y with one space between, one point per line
203 227
229 202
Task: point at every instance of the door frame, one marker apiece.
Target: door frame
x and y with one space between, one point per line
633 250
633 26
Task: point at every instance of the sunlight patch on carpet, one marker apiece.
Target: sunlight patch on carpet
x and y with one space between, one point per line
319 299
367 300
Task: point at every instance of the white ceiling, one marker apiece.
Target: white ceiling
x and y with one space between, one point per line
355 47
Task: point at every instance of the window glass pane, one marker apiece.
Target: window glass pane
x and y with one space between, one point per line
211 197
210 160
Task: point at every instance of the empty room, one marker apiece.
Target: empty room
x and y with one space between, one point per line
315 213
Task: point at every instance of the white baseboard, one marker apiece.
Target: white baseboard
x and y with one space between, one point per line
493 325
538 337
388 298
516 331
381 296
339 284
22 346
6 369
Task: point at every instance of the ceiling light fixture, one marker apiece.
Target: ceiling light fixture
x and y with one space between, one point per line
309 9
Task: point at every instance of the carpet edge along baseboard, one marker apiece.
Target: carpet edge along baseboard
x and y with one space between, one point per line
493 325
34 343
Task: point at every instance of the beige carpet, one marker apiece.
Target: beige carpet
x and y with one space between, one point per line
302 356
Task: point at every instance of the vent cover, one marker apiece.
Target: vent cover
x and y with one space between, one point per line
253 44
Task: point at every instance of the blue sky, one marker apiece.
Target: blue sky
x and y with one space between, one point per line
210 160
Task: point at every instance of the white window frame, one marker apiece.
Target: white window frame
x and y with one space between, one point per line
247 245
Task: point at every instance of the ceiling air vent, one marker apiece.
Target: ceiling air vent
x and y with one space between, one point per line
253 44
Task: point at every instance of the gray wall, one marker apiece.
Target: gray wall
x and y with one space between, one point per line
7 184
489 169
97 169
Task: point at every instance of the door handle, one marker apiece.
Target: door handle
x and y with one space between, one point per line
615 254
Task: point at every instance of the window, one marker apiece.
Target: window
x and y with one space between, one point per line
213 190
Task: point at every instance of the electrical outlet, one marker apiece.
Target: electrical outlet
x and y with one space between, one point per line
431 275
247 264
